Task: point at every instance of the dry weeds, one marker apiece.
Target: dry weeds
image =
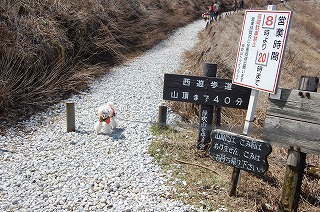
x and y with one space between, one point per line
47 47
218 44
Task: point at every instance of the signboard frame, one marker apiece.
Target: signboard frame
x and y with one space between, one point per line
261 49
240 151
205 90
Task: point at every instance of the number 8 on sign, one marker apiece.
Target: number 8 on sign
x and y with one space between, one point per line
269 21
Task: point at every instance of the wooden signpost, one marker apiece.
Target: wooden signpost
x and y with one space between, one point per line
205 90
240 151
208 92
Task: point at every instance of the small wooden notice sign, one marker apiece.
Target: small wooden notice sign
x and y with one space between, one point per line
239 151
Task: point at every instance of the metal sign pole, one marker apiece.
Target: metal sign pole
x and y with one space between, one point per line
247 128
236 175
250 112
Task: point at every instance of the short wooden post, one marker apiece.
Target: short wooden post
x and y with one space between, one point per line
162 116
296 161
234 181
293 180
206 112
70 110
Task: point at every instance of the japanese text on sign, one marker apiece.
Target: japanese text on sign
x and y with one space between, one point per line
261 49
205 90
239 151
203 128
227 85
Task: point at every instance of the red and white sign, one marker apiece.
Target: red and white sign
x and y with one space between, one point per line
261 49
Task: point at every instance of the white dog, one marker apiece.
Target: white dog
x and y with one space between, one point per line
107 119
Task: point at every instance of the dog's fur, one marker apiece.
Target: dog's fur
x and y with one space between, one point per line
107 119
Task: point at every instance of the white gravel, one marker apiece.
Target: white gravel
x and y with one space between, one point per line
44 168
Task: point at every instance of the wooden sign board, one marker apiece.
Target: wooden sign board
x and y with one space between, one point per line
205 90
294 120
239 151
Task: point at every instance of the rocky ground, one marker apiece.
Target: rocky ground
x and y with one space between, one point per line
44 168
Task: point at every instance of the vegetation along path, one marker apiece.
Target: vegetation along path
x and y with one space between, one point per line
44 168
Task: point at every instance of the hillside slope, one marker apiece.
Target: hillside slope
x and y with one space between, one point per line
219 44
50 49
44 168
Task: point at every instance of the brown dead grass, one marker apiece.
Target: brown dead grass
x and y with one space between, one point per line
52 48
218 44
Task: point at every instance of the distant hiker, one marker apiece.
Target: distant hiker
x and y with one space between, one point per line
216 7
235 5
212 11
241 4
205 16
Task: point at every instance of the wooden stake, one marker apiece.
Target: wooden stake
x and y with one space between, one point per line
234 181
296 162
162 116
293 180
70 110
206 113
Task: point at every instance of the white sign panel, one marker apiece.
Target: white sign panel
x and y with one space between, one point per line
261 48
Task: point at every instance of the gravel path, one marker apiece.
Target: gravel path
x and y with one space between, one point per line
43 168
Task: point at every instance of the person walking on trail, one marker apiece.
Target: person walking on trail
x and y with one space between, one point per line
241 4
212 11
235 6
216 7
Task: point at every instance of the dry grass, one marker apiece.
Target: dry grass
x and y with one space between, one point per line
208 187
51 48
201 181
218 44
